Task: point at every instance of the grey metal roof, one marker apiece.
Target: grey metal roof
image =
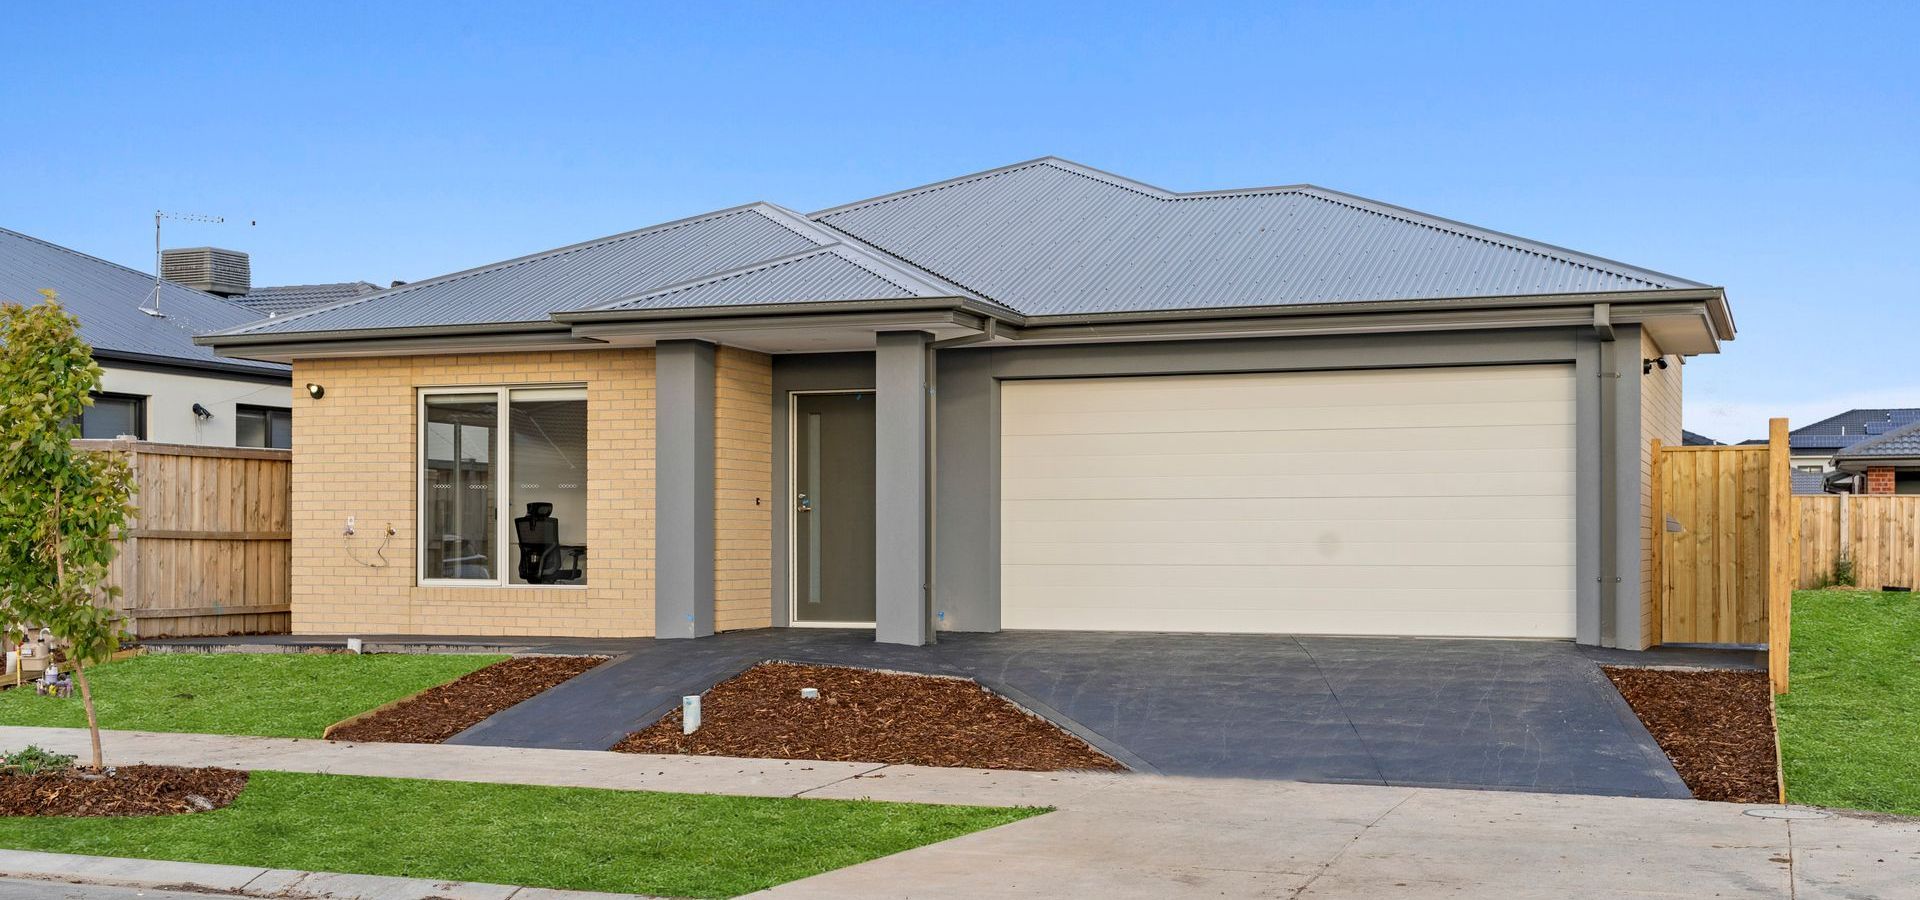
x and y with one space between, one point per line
278 300
106 297
829 273
1691 439
1050 237
1046 237
1899 442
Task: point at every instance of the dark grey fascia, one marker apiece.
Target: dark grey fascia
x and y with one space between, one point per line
713 328
150 362
396 341
1859 464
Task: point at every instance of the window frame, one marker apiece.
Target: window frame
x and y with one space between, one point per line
240 409
503 523
139 411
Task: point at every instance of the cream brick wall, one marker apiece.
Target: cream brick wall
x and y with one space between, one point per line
743 489
1660 397
354 454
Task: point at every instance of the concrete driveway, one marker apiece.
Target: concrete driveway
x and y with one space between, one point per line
1519 715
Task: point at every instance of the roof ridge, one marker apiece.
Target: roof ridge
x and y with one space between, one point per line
1488 235
836 249
1356 202
497 266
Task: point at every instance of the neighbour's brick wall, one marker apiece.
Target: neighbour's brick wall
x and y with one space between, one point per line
1659 418
743 489
355 454
1880 480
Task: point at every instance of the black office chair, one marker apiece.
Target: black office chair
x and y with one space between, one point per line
540 547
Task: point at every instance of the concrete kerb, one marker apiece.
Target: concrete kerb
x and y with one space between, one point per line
250 881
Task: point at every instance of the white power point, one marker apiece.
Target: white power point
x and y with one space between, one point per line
349 526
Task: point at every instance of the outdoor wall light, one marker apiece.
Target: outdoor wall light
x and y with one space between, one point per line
1646 365
316 391
201 412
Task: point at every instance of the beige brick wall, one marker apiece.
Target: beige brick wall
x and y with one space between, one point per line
743 489
1659 418
355 455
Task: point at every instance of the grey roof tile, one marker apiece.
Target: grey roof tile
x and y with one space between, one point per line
107 298
1899 442
278 300
1839 432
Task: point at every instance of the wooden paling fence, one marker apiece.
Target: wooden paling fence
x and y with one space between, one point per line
208 552
1723 556
1880 535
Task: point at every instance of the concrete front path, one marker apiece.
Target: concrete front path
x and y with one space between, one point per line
1123 836
1525 715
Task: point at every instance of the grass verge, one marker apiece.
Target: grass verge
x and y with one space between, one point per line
681 845
271 694
1848 726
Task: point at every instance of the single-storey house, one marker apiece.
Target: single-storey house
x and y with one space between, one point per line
1038 397
1887 463
157 383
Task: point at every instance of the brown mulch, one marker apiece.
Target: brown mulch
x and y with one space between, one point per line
129 791
1716 726
868 716
436 714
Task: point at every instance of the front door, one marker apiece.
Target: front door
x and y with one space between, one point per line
832 509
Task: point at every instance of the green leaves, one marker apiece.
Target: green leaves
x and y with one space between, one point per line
60 509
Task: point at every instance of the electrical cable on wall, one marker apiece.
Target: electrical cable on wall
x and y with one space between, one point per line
379 552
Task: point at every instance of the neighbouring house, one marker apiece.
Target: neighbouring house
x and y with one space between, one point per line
1884 464
1690 439
228 274
1038 397
1814 446
158 384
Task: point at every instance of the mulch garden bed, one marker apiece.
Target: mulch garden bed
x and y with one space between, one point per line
129 791
1716 726
433 715
868 716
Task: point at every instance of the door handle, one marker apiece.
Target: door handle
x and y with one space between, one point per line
804 503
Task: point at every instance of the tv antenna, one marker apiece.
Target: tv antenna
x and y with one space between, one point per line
158 214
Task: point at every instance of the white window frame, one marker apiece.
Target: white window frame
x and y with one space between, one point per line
503 397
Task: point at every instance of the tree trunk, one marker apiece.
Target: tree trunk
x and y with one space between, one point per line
93 722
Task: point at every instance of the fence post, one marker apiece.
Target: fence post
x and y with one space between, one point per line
1657 578
1779 546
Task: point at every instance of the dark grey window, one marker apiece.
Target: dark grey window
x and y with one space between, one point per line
263 426
113 415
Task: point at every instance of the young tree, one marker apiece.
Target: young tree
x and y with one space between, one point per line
60 508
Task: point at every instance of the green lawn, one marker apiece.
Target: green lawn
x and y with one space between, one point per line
272 694
681 845
1850 725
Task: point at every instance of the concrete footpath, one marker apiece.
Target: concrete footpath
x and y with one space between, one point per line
1123 836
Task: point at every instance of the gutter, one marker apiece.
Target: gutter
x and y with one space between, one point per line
172 363
575 328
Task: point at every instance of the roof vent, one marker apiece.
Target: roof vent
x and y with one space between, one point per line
210 269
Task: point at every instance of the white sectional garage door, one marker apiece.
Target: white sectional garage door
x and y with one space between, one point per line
1404 501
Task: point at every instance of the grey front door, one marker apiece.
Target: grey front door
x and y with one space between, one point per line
832 509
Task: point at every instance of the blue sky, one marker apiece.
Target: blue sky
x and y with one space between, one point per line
1770 148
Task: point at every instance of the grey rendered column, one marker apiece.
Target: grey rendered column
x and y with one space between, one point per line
683 489
902 611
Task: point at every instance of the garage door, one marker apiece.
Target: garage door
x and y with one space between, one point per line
1406 501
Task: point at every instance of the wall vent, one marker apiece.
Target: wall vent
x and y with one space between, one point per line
210 269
